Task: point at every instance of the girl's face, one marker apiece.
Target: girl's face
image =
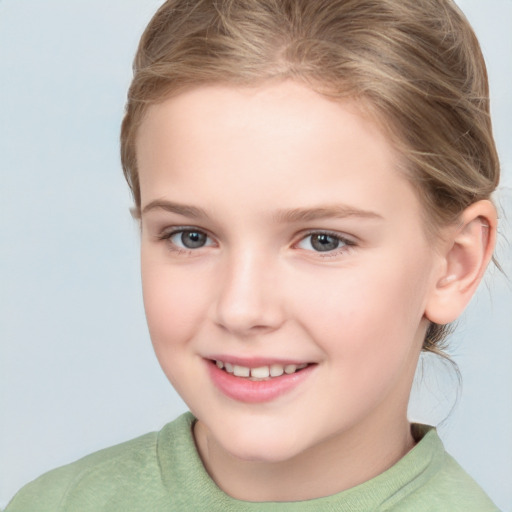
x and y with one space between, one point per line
279 239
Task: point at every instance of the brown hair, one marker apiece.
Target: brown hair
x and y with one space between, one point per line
415 65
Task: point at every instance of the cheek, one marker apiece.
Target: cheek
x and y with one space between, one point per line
175 309
372 314
173 301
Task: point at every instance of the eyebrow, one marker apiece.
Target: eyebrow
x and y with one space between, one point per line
292 215
180 209
322 212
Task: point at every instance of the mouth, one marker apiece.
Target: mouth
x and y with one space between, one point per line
258 381
260 373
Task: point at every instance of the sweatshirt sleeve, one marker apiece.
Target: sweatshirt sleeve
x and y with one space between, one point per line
95 482
45 494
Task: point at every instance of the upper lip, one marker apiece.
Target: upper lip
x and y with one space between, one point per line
255 362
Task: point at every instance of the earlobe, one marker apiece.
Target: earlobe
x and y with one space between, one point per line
468 249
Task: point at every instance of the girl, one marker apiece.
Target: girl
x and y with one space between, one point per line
313 183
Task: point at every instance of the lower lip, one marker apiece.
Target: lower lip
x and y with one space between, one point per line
256 391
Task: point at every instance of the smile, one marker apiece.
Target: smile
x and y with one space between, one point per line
258 382
261 372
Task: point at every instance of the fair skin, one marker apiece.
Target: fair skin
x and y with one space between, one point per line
276 231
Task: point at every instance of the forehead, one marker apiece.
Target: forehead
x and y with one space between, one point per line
281 106
282 141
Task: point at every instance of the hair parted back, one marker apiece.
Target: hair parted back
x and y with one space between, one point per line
415 65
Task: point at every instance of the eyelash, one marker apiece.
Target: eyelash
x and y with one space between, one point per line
346 243
166 236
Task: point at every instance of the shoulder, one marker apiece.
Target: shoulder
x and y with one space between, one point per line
444 486
129 470
454 486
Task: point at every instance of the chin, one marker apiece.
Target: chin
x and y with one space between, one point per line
258 445
264 454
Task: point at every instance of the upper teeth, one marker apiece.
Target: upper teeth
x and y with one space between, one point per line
262 372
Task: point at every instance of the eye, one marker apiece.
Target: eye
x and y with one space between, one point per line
189 239
323 242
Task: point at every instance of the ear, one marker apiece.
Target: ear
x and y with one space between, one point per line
466 251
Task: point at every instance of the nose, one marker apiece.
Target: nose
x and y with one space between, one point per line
249 298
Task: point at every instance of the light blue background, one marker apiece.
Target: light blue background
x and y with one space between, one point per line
77 372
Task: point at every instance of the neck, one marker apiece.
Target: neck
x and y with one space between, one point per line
339 463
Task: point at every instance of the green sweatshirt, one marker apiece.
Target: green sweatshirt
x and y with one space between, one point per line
162 472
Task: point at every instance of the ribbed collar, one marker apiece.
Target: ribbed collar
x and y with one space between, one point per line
191 488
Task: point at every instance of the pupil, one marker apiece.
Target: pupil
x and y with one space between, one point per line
193 239
324 242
